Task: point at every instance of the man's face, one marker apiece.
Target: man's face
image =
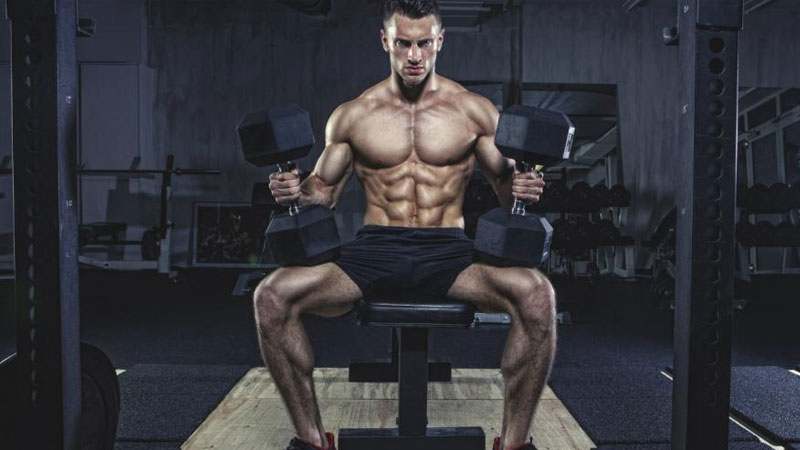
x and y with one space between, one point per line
412 45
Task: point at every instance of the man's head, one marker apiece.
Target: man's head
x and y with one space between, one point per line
412 34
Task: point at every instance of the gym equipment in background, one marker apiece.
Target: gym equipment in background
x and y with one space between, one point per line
155 242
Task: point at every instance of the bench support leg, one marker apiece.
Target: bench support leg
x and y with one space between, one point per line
386 371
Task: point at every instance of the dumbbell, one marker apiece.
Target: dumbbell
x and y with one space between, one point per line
305 235
555 197
603 193
780 196
529 136
765 233
585 237
746 233
584 197
608 234
758 196
561 231
620 196
786 234
796 195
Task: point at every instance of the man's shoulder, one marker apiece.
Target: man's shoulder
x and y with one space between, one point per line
347 113
361 105
465 99
477 107
352 112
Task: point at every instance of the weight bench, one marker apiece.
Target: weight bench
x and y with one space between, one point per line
102 233
410 367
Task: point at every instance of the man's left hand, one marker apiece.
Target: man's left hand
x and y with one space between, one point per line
527 186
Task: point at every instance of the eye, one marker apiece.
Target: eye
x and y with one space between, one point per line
402 43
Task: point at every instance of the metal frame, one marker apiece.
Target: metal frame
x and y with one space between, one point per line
709 56
44 98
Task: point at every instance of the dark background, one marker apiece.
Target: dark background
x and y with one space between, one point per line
175 77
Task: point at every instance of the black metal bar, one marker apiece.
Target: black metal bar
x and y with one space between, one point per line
166 190
706 205
412 419
462 438
99 243
387 371
177 171
44 86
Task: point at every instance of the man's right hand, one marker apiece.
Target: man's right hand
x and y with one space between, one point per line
285 186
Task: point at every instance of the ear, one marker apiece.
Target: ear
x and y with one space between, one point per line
440 38
384 41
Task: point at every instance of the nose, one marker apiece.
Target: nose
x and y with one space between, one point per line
414 54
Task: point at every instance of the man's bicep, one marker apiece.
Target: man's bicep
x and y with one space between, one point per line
335 164
492 163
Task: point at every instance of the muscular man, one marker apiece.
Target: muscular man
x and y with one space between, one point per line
412 140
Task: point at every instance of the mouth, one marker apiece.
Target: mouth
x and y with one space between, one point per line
415 70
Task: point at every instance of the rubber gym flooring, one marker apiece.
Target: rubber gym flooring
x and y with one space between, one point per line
187 347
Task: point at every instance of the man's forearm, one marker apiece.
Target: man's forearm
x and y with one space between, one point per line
313 191
502 188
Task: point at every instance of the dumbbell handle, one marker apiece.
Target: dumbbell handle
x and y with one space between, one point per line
519 205
294 206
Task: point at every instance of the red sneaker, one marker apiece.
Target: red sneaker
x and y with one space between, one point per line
299 444
525 446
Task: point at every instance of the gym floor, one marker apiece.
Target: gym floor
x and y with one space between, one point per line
139 319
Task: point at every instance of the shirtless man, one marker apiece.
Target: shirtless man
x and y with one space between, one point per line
412 140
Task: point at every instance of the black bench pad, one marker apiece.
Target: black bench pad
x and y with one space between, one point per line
397 314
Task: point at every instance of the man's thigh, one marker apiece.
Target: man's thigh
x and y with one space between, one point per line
493 289
323 290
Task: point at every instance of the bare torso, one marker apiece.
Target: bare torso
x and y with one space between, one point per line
414 159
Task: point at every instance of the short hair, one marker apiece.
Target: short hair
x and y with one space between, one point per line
413 9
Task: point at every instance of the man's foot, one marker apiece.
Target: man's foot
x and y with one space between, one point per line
299 444
525 446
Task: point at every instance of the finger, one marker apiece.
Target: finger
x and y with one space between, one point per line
282 176
525 182
525 175
288 183
285 192
527 189
283 184
528 197
286 198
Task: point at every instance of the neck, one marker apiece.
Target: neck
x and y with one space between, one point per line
413 93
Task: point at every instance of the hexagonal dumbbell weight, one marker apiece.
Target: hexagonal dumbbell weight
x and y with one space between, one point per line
530 136
305 235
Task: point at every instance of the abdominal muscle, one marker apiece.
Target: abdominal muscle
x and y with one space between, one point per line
415 194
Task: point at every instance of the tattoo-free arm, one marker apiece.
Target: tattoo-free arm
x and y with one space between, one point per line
497 169
334 166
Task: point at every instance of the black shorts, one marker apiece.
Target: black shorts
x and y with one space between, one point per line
405 263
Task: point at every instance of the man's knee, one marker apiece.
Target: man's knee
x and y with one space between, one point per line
535 299
271 304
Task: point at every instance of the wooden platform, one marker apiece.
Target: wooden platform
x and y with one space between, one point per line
252 415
